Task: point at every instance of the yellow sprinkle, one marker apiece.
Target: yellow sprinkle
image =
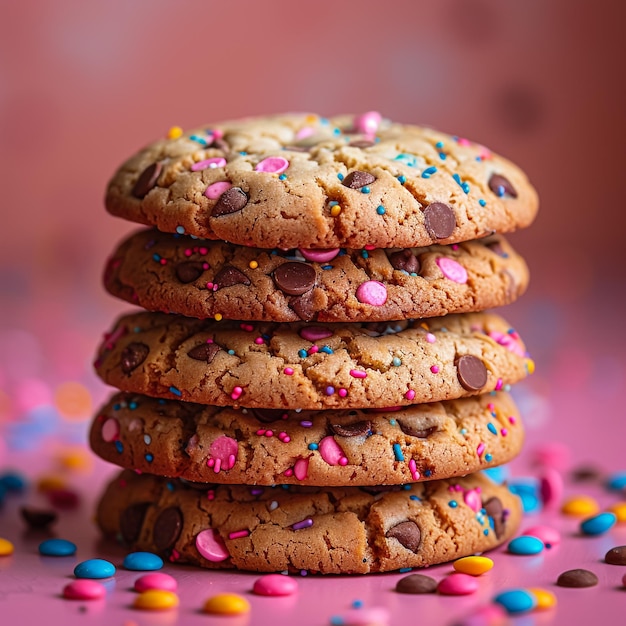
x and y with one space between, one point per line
530 366
545 599
50 483
218 317
619 510
335 210
473 565
309 119
6 547
580 506
253 265
75 460
227 604
156 600
425 326
175 132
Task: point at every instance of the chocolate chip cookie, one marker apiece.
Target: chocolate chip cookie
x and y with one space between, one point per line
301 180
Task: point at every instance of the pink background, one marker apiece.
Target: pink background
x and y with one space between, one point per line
85 84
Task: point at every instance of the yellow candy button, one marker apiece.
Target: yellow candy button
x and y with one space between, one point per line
545 599
619 510
473 565
227 604
580 506
156 600
6 547
175 132
50 483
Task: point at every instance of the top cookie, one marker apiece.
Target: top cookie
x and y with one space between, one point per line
300 180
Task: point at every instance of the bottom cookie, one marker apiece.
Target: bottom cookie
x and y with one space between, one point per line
340 530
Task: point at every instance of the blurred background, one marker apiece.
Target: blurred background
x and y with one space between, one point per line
83 85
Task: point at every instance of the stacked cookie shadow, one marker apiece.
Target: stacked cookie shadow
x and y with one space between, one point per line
314 385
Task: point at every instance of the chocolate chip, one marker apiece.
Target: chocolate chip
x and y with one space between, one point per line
408 534
231 201
416 583
405 261
37 518
304 306
362 143
358 179
493 508
439 220
222 145
413 431
616 556
189 271
577 578
167 527
147 180
295 278
496 248
586 473
358 429
502 186
268 415
133 355
131 521
204 352
471 372
229 276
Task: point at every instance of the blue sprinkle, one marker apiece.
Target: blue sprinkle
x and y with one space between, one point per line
397 450
57 547
231 352
479 158
142 562
482 202
336 620
340 177
313 446
357 604
457 178
428 172
94 568
439 145
617 481
180 230
156 257
428 473
500 191
392 422
334 202
117 406
132 405
303 354
406 487
243 153
162 401
402 179
201 140
453 504
364 254
443 156
176 392
396 361
336 131
327 350
486 532
170 486
149 457
415 498
465 187
526 545
404 570
13 482
488 457
492 428
342 252
380 209
119 447
327 267
282 177
516 601
365 189
598 524
463 431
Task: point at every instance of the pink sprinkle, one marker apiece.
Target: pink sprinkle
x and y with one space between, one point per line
410 394
343 461
504 432
452 270
480 449
237 391
430 338
238 534
463 142
208 163
217 466
259 341
372 292
288 472
215 190
415 475
188 252
455 246
210 462
499 384
231 461
472 499
369 247
367 123
434 369
286 439
301 468
269 433
174 556
304 132
288 371
343 392
204 251
313 349
247 327
210 286
358 374
512 420
491 406
210 494
272 165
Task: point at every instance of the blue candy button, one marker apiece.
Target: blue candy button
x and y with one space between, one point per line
13 482
516 601
525 544
617 481
57 547
143 561
94 568
598 524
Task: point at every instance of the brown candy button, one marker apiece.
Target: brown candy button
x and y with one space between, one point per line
358 179
268 415
577 578
471 372
231 201
439 220
295 278
501 186
358 429
408 534
413 431
362 143
37 518
616 556
229 276
189 271
167 528
416 583
493 508
131 521
133 355
147 180
204 352
405 261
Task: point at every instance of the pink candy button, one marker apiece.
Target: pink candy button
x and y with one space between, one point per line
550 536
551 488
300 468
319 256
212 163
110 430
272 165
452 270
331 452
275 585
214 191
372 292
210 545
367 123
458 585
315 333
84 589
163 582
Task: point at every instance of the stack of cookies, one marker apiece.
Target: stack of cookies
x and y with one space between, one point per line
315 385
